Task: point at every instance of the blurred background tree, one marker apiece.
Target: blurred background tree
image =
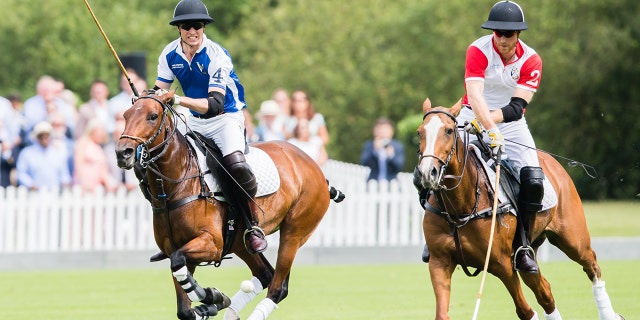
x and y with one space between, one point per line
361 59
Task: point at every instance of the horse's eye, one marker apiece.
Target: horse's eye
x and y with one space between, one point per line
449 131
152 117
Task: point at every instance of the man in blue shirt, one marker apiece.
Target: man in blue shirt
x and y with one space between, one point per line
215 98
41 165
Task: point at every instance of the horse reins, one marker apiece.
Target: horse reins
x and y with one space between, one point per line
439 194
145 144
144 150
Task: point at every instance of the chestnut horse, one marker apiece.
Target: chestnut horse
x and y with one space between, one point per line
188 224
457 235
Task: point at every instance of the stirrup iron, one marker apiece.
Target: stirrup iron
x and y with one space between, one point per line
253 228
523 249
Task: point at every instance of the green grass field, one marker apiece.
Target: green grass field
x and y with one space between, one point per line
327 292
613 218
319 292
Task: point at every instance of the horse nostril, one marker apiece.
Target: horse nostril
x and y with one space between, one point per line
128 152
124 153
433 173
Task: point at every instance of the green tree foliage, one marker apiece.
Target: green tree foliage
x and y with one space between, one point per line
357 59
361 59
587 105
60 38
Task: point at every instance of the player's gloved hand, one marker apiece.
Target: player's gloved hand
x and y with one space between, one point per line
175 100
161 92
496 141
474 127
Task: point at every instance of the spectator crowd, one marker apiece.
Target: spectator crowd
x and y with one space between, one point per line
50 140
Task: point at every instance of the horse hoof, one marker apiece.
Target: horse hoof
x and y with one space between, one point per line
217 298
158 257
204 311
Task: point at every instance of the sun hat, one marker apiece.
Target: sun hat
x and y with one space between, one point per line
269 108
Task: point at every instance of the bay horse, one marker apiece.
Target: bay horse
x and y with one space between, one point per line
188 225
457 234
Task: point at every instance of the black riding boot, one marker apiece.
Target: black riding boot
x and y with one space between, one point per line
523 257
239 187
529 203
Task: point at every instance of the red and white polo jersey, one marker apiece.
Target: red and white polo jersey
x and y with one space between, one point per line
484 63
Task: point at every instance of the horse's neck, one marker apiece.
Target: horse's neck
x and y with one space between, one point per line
470 190
173 164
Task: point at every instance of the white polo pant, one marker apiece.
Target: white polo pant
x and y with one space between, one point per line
520 154
226 130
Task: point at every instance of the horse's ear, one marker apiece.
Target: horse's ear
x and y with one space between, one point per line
455 109
426 106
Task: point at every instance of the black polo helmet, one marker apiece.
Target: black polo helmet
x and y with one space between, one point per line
190 10
505 15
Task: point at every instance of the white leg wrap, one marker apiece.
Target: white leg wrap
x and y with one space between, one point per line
231 314
535 316
191 287
555 315
263 309
181 273
241 298
605 310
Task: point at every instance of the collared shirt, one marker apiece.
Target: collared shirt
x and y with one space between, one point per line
484 63
42 167
210 67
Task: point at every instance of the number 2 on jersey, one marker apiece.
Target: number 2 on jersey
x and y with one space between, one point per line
535 75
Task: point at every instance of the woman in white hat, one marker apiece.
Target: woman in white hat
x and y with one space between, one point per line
269 128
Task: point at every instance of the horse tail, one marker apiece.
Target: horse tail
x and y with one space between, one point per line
335 194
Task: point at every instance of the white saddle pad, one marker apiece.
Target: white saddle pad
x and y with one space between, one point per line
261 164
549 200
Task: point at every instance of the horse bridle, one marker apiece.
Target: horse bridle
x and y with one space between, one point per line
445 163
455 221
143 151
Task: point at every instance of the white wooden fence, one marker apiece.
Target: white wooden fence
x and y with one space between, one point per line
385 214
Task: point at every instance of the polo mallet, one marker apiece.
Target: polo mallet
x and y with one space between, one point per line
115 55
493 226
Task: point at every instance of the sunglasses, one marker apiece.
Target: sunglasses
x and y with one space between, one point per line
188 25
505 33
